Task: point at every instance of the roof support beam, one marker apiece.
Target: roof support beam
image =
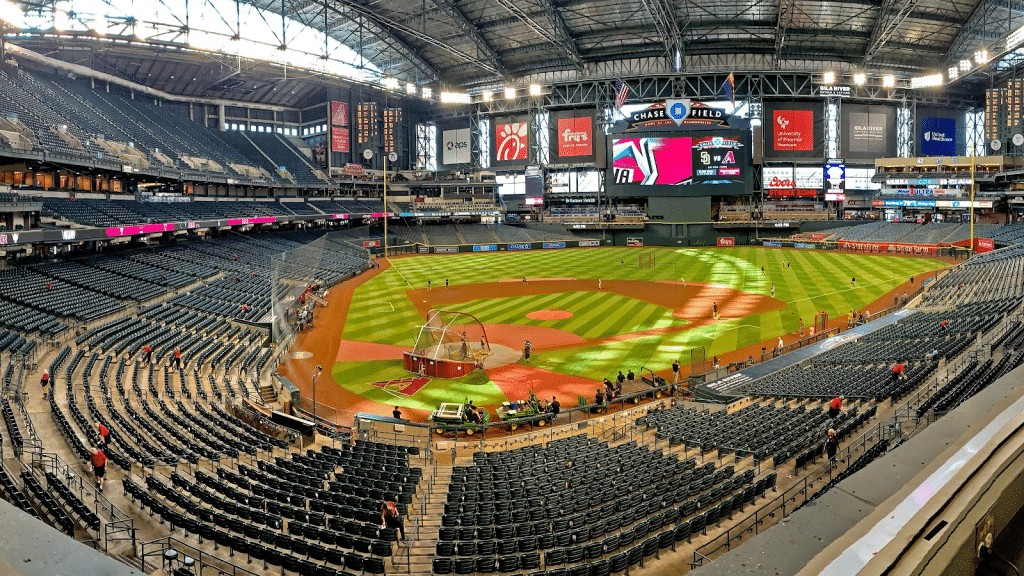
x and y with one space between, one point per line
485 54
991 20
663 12
554 30
888 22
782 23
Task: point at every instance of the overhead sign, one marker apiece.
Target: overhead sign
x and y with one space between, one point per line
455 147
792 130
339 113
677 113
340 139
575 136
511 141
938 136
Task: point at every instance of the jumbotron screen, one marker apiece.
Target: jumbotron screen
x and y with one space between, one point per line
678 161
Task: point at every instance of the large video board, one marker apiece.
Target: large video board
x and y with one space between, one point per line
657 165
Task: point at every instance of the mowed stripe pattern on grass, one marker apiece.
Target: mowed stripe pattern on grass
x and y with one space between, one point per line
814 281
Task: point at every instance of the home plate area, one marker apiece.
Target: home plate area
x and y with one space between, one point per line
405 386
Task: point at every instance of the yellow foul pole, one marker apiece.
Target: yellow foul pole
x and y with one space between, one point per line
386 206
973 168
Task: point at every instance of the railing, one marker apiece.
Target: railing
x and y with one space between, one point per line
119 526
790 499
157 547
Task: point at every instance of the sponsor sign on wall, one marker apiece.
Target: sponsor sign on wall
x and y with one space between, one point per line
511 141
868 131
808 177
519 246
455 147
770 244
339 113
589 243
727 241
446 249
485 248
804 246
339 139
982 245
937 136
792 130
634 242
554 245
371 243
575 137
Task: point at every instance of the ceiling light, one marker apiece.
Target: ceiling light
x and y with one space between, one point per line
410 88
828 77
390 83
534 89
888 81
486 96
965 65
860 78
454 98
981 56
510 93
11 14
427 92
926 81
953 72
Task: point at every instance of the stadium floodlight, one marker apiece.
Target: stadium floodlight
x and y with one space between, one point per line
410 88
454 98
510 93
953 73
390 82
828 77
860 78
965 65
427 92
11 14
981 56
534 89
926 81
486 96
889 81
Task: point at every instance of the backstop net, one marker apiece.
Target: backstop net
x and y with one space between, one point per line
300 279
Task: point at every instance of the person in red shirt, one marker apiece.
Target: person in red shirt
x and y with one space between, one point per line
898 372
835 407
177 358
99 466
49 286
104 434
149 353
45 381
944 325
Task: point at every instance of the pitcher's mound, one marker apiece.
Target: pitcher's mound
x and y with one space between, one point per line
549 315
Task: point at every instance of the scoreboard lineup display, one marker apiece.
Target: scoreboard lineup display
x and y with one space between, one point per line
678 160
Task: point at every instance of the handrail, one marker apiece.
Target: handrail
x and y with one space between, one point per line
158 546
710 550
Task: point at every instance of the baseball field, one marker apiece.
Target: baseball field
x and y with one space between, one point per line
587 312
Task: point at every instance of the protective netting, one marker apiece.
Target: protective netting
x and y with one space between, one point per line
302 277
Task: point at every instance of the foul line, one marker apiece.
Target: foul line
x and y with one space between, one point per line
840 292
396 269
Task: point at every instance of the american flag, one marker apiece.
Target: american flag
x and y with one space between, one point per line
621 93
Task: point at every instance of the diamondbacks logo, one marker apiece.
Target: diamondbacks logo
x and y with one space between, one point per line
405 386
511 141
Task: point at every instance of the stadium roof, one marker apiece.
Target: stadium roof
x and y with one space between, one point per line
486 44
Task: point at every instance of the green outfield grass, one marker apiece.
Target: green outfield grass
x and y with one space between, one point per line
595 314
357 377
815 281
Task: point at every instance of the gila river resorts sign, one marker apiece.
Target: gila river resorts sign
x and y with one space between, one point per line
677 112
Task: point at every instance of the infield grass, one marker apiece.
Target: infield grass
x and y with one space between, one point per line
814 281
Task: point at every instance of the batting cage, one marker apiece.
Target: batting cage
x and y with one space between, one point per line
449 335
301 278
